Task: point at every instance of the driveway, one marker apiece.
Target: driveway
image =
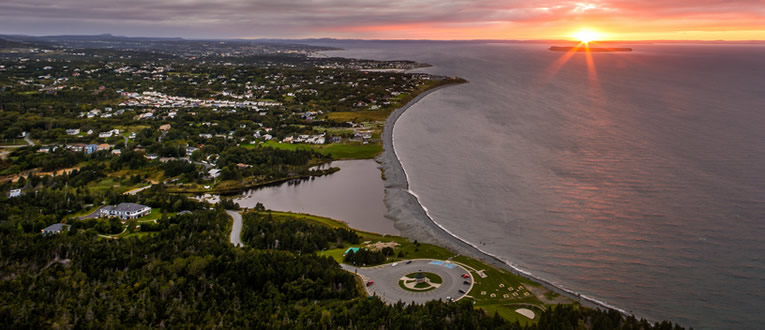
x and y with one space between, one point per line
386 280
95 214
236 228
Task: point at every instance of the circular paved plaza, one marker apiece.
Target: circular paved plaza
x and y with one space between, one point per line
386 280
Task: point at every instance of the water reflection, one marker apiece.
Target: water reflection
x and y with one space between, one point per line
353 195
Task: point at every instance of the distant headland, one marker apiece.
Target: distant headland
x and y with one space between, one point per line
589 49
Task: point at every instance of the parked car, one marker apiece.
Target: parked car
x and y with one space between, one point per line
409 262
465 275
370 283
394 264
466 282
462 291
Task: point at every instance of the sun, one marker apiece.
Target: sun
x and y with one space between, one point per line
586 36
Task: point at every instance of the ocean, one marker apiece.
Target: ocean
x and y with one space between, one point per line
636 179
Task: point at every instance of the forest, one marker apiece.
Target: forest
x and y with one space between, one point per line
186 274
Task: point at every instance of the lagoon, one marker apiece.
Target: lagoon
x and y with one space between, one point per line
353 195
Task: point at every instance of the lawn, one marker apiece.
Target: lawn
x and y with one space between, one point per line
508 313
111 183
103 185
348 150
139 234
333 131
14 142
359 116
433 277
155 214
352 150
126 130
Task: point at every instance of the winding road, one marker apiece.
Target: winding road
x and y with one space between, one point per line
236 228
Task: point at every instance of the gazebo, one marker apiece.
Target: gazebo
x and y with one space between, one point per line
420 278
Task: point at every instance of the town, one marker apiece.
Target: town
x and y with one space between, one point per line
98 124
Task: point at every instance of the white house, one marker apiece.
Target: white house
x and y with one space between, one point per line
125 211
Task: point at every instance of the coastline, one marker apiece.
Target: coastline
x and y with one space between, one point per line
413 220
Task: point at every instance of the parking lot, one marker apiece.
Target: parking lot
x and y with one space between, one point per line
386 280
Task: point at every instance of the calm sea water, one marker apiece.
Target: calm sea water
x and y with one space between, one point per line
634 178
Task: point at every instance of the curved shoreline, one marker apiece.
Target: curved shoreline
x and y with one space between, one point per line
415 222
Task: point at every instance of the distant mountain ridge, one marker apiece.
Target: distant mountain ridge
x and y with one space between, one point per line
13 44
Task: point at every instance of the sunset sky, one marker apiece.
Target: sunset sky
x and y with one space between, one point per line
392 19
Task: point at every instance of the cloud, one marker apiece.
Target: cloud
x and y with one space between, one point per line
300 18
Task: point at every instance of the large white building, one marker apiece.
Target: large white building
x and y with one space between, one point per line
125 211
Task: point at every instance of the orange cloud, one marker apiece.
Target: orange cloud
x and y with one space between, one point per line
393 19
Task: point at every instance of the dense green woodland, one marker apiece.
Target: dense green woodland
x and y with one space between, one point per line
188 275
261 231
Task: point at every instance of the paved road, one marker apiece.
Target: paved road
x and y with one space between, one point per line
29 141
236 229
386 278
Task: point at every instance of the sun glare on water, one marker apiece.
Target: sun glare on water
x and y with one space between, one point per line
586 36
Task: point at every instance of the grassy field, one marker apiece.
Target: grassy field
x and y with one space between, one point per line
350 150
112 184
138 234
126 130
155 214
333 131
359 116
14 142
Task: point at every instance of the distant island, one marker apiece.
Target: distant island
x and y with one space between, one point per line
589 49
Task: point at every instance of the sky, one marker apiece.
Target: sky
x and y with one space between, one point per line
391 19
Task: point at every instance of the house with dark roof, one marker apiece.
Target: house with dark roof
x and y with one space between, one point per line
125 211
55 229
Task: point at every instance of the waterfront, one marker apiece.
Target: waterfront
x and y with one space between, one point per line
627 182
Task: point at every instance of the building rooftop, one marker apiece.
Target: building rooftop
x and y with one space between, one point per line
124 207
56 227
354 249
